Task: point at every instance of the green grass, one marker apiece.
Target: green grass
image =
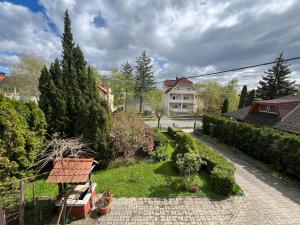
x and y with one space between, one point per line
291 181
143 179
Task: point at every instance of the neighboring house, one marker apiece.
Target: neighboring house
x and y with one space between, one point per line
2 76
281 113
179 95
106 94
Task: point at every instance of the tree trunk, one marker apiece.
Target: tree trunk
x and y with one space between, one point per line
158 122
141 104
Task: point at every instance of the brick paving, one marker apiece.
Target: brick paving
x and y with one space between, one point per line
267 201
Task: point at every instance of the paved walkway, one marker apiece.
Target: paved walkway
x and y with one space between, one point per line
267 201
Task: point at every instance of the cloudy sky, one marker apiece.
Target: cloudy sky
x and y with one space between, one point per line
182 37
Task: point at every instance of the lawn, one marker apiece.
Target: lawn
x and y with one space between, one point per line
143 179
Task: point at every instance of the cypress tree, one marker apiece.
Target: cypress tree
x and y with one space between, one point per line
251 97
275 83
71 101
144 78
225 106
243 97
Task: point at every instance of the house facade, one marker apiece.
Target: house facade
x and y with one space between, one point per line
281 113
179 95
106 94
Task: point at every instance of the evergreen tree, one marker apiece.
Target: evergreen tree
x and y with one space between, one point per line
275 83
126 70
251 97
243 97
71 101
225 106
144 78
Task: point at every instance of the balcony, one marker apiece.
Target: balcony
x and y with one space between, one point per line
181 101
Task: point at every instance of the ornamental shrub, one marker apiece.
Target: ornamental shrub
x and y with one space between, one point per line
131 136
185 143
160 153
188 163
161 139
22 129
279 148
174 131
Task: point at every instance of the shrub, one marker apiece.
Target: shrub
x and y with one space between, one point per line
222 181
131 136
269 145
185 144
160 153
161 139
22 128
189 163
174 131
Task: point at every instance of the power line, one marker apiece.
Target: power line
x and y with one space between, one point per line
238 68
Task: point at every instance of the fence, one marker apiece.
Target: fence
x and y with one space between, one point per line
24 205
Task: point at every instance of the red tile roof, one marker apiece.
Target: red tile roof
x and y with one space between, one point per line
180 80
172 83
2 77
71 170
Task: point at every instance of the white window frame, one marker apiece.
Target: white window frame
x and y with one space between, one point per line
263 110
269 106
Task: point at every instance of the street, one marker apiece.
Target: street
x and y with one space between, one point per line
182 123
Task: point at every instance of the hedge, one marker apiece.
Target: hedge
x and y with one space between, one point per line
173 131
220 169
269 145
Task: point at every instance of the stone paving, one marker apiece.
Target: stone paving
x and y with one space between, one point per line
267 201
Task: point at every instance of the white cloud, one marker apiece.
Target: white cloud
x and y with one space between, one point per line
191 37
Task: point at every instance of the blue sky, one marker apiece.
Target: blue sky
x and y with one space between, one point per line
182 37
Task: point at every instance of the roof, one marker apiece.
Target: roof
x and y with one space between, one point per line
71 170
2 76
172 83
287 119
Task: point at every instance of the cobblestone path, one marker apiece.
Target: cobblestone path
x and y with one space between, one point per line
267 201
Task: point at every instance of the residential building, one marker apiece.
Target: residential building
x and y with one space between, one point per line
2 76
106 94
179 95
281 113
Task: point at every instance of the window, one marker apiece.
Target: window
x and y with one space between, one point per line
272 109
174 106
263 108
178 88
184 106
185 97
189 88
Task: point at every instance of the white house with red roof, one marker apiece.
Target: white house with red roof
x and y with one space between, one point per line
179 95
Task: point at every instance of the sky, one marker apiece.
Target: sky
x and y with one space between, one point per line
183 38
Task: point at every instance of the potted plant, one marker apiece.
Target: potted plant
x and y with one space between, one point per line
108 195
103 206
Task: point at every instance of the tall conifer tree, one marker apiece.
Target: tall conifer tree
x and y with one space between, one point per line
243 97
251 97
275 83
71 101
225 106
145 80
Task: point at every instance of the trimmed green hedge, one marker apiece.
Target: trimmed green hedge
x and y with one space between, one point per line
173 131
269 145
220 169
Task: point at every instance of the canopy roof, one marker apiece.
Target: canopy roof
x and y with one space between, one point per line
71 170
